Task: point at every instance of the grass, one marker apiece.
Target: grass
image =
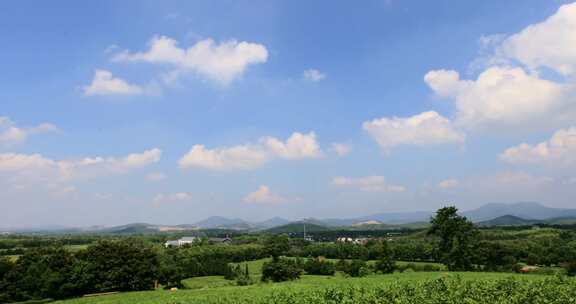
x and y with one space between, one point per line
75 248
207 288
255 267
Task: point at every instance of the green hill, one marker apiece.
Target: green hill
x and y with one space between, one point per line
298 227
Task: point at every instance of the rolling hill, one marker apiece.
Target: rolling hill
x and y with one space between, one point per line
298 227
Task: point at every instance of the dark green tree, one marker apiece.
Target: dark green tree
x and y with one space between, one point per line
124 265
277 245
281 269
458 239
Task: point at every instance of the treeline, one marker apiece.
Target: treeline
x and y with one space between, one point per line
453 240
399 249
120 265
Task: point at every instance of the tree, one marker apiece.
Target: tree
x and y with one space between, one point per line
457 238
125 265
319 266
570 268
5 266
277 245
279 270
385 264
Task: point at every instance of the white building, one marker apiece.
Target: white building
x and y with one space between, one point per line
182 241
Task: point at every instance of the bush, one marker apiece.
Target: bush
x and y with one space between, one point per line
356 268
342 265
570 268
243 276
280 269
319 266
385 265
418 267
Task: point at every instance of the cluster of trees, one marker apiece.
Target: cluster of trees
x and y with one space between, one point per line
54 272
456 242
126 265
285 269
372 250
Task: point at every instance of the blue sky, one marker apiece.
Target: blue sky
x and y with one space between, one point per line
172 111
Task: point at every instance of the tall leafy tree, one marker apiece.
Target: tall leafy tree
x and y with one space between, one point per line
458 238
277 245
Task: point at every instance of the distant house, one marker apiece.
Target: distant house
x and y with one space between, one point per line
182 241
361 241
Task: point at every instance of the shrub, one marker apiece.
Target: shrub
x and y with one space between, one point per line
355 268
570 268
385 265
319 266
243 277
342 265
418 267
280 269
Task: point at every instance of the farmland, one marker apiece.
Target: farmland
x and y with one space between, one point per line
216 289
404 287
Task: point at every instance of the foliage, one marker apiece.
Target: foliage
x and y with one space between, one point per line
354 268
120 266
170 270
385 265
319 266
243 278
276 245
570 268
457 238
419 267
401 288
281 269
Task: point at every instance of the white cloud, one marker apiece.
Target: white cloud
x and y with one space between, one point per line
162 198
221 63
501 96
341 149
156 176
264 195
449 183
137 160
37 168
238 157
511 92
12 162
368 184
558 151
249 156
104 83
427 128
10 134
313 75
551 43
297 146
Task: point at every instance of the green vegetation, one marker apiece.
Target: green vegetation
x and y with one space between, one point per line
357 266
298 228
418 286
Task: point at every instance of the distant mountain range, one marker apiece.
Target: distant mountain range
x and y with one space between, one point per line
493 214
511 220
525 210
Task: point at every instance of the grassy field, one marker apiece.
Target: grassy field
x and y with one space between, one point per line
210 289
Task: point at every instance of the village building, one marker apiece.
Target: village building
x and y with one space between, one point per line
187 240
